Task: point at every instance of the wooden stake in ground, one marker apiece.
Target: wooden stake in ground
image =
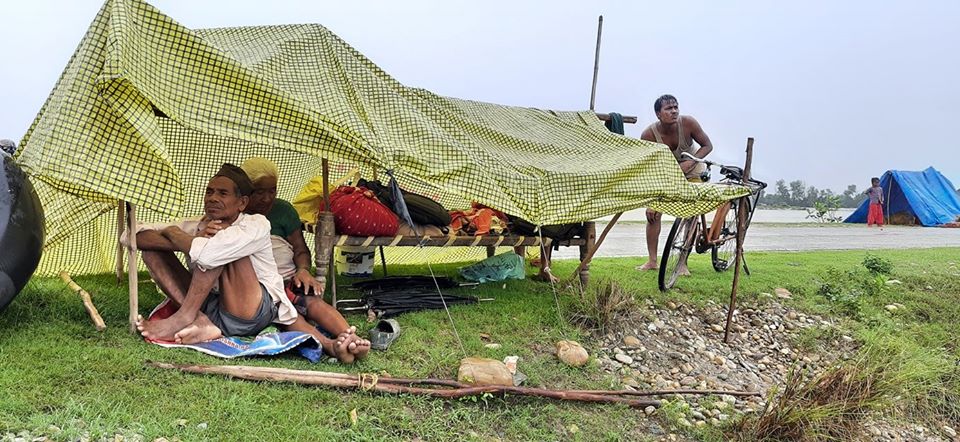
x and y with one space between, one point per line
741 226
87 302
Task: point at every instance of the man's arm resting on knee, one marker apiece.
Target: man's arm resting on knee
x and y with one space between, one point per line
170 239
180 240
151 237
154 240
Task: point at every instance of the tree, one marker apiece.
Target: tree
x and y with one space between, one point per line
783 193
811 197
797 192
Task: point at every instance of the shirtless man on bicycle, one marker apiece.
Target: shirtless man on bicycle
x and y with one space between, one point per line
678 132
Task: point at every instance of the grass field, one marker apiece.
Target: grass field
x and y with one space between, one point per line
62 379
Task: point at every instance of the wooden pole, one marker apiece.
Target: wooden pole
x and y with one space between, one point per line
593 250
326 268
326 185
87 301
627 119
380 384
120 227
132 266
596 64
741 226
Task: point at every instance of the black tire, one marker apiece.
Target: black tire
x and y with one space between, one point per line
723 255
676 250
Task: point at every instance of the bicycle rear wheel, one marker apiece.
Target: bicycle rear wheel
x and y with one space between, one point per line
676 250
723 254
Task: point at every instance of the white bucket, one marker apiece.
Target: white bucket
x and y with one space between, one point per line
355 261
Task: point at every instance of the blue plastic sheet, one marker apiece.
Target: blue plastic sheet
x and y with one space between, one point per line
495 268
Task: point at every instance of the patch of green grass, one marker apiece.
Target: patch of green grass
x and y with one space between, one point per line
56 370
810 339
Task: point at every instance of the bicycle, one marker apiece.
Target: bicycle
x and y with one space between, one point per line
720 236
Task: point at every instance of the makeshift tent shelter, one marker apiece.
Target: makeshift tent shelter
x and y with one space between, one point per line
147 109
927 195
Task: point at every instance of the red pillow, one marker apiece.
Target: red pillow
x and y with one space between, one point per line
356 212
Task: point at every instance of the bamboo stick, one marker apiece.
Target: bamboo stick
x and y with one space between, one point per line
132 260
120 249
596 64
627 119
670 392
87 301
586 260
311 374
386 385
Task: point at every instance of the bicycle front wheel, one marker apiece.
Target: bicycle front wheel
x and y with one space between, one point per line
724 253
676 251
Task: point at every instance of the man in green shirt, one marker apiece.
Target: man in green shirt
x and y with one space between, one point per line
293 263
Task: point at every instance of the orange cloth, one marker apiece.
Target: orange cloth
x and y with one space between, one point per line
478 220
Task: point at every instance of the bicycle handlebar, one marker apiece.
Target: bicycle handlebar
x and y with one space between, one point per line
723 168
690 157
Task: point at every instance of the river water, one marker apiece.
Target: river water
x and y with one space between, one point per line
786 230
785 216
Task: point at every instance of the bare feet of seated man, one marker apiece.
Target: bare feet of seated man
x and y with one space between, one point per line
164 329
346 347
201 330
349 347
356 346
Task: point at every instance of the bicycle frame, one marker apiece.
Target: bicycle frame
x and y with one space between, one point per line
698 236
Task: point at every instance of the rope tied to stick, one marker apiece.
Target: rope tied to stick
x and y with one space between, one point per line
367 381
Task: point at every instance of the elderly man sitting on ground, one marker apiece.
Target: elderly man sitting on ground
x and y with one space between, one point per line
232 287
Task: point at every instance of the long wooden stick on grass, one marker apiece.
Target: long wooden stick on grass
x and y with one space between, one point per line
87 301
388 385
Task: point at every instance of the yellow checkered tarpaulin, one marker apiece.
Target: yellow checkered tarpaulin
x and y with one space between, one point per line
146 110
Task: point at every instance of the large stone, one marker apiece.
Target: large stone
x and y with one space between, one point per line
782 293
483 371
631 341
572 353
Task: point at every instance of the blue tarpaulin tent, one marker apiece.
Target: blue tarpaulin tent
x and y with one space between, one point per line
927 195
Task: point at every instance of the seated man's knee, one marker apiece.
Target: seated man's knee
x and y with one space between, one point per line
242 265
154 259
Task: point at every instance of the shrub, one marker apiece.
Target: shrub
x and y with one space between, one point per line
877 265
829 406
825 210
846 289
598 305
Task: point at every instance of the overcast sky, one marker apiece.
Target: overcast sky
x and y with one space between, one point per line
833 91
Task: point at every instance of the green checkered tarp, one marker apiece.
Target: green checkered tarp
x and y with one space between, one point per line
147 109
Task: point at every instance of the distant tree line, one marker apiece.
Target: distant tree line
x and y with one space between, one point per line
798 194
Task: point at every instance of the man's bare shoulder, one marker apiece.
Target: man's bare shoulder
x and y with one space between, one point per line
647 134
690 124
689 120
